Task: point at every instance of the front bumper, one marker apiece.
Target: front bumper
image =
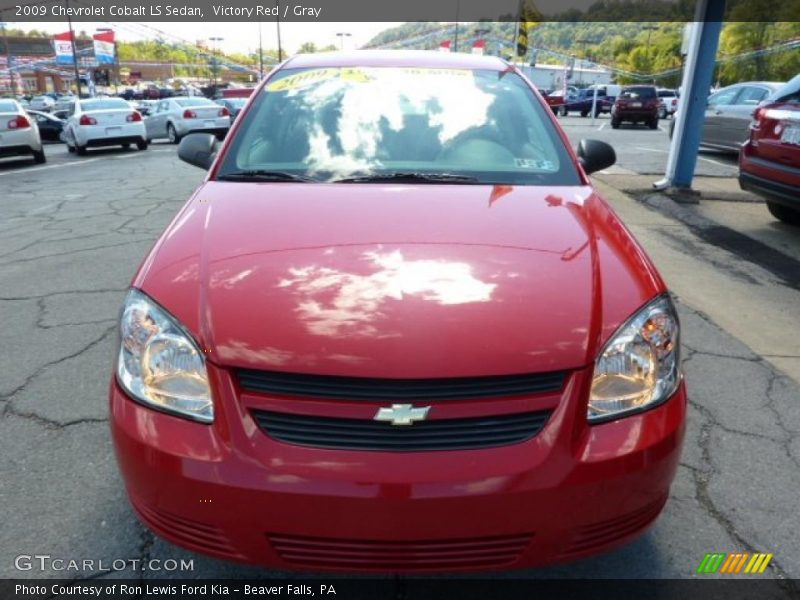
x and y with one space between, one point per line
230 491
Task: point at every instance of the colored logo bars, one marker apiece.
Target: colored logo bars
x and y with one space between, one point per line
735 563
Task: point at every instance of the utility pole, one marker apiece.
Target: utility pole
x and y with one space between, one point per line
341 37
455 40
74 51
649 29
260 54
8 61
278 24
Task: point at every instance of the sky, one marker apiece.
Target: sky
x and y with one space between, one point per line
237 37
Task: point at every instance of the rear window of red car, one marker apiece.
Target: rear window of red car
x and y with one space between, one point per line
635 93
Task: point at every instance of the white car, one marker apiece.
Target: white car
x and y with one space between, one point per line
19 133
42 103
173 118
667 102
103 122
64 102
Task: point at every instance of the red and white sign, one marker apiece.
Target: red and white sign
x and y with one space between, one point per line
479 47
62 43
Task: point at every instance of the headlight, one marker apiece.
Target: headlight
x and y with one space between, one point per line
159 363
639 367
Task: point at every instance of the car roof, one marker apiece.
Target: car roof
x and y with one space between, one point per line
397 58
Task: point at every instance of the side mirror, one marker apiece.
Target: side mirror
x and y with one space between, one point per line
198 149
595 155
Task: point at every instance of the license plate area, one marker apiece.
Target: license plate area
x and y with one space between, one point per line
636 105
791 135
113 131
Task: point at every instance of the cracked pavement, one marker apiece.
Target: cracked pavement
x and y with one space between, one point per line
71 237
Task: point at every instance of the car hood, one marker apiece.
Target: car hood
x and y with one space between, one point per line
399 281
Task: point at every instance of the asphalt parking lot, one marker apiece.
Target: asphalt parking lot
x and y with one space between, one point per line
643 150
72 233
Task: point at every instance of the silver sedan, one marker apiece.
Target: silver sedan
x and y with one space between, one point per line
174 118
729 113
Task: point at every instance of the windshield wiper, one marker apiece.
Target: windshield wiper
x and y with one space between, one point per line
409 177
264 175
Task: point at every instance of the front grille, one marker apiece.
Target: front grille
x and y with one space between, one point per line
363 434
365 555
424 390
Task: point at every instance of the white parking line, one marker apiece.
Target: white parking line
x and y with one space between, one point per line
646 149
601 127
66 164
76 162
716 162
662 129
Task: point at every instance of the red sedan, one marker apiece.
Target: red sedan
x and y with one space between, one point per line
769 161
396 329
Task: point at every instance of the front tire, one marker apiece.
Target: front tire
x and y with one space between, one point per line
81 150
172 135
39 157
790 216
142 145
654 123
614 123
563 111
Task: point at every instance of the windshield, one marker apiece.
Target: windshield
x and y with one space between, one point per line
331 123
108 104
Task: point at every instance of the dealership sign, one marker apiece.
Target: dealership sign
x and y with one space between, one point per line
104 48
62 43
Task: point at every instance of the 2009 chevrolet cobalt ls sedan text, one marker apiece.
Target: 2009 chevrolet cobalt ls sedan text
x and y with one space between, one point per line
396 329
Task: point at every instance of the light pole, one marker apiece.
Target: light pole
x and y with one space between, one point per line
341 37
214 41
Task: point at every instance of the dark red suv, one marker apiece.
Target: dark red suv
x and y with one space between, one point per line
769 161
636 104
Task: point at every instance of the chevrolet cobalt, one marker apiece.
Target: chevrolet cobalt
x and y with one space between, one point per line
396 329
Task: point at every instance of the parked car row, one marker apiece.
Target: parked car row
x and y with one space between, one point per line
109 121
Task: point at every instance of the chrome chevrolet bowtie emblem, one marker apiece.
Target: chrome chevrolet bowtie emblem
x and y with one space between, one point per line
402 414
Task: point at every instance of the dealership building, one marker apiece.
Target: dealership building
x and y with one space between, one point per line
36 71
